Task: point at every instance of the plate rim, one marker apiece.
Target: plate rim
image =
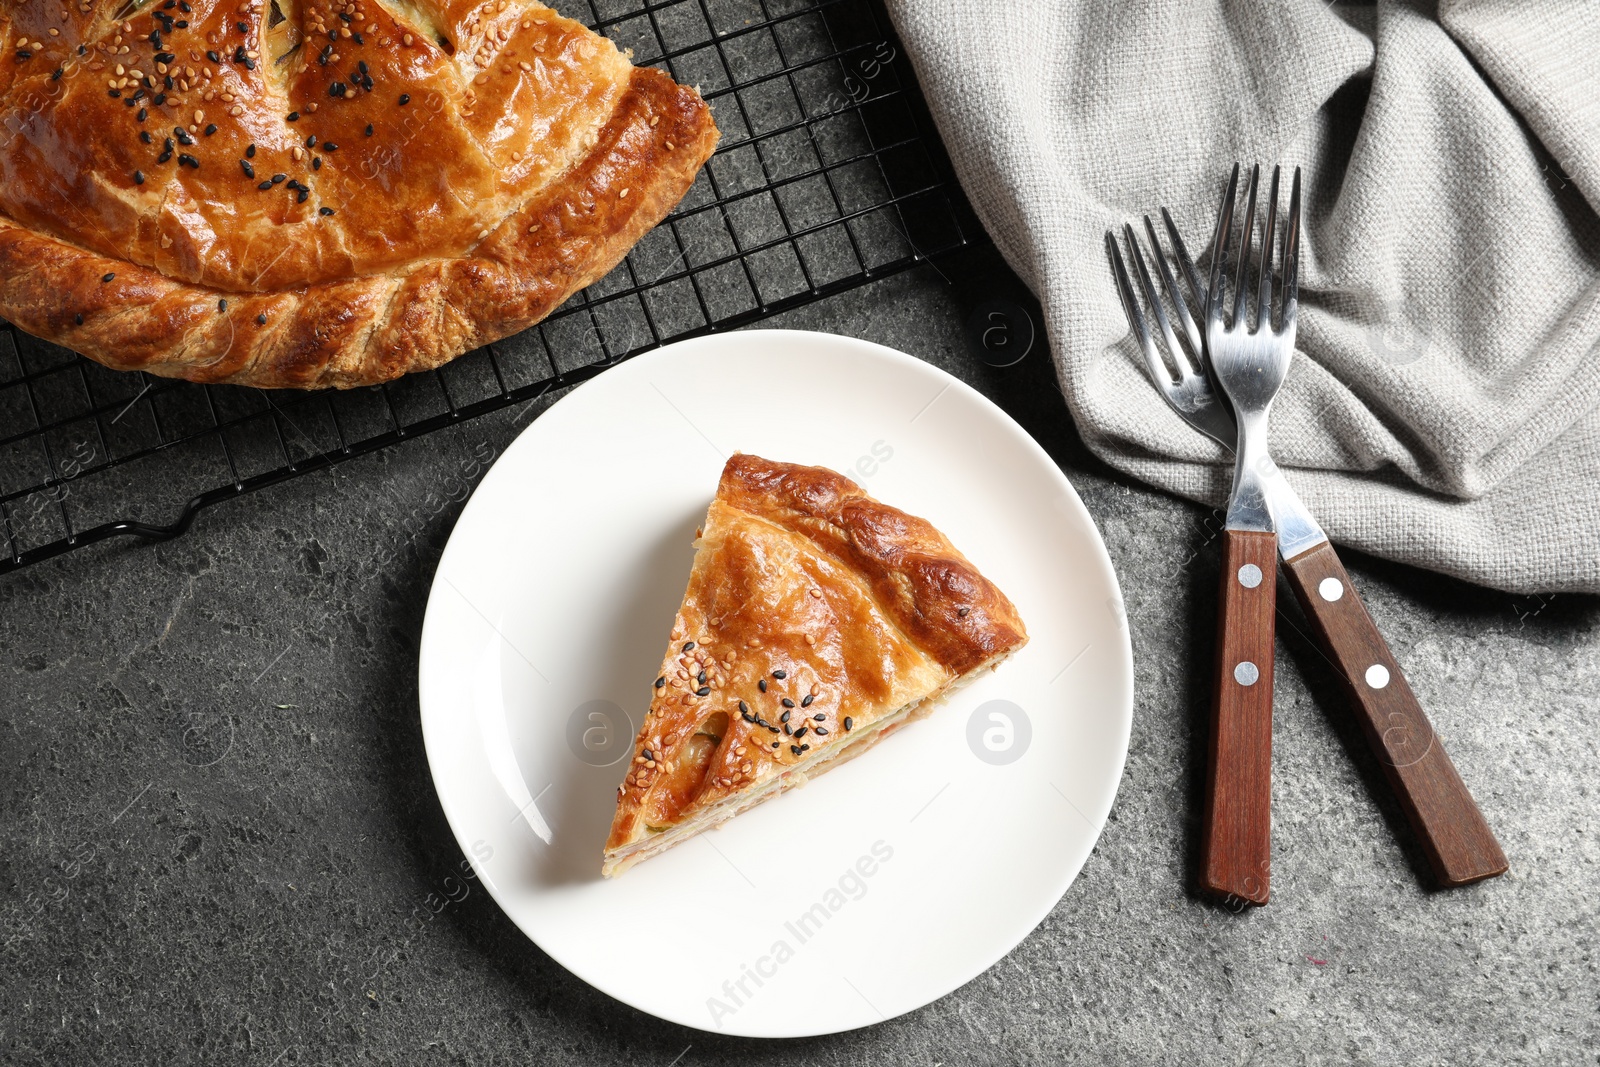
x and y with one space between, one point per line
1103 564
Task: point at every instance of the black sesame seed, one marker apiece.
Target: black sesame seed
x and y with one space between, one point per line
795 749
805 702
701 678
114 94
805 747
238 54
329 146
222 305
300 197
744 709
261 320
823 730
780 675
183 138
144 135
78 319
818 717
55 75
688 646
345 16
659 681
165 156
357 38
762 685
250 152
784 717
801 732
186 160
138 177
369 129
243 27
775 744
787 729
771 727
645 752
963 612
336 90
788 703
294 116
211 129
161 98
362 66
183 5
316 164
848 723
249 64
164 57
276 178
249 171
214 57
264 186
311 142
144 113
405 98
107 278
703 691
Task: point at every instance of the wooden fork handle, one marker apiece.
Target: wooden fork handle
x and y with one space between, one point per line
1459 844
1236 826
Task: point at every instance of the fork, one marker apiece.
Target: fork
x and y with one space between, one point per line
1458 842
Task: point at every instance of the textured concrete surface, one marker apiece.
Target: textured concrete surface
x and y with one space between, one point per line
219 843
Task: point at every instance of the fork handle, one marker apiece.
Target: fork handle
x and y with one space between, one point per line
1236 826
1459 844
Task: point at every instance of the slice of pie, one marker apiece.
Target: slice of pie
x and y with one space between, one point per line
816 622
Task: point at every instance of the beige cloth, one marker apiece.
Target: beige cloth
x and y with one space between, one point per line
1444 405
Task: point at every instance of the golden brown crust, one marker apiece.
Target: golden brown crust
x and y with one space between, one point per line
522 168
813 614
931 590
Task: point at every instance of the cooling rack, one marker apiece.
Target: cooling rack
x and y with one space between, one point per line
828 176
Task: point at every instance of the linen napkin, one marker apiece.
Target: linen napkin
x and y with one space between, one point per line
1443 408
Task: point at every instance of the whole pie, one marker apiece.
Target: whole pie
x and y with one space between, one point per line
816 622
310 194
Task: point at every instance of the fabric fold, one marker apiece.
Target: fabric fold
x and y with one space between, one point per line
1444 405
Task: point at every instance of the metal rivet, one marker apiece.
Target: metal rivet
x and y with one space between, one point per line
1249 576
1331 589
1246 673
1377 676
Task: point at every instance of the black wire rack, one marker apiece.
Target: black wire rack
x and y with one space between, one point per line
828 176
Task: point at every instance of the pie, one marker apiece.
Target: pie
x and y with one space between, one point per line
817 621
316 193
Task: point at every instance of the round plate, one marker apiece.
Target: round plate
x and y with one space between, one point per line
881 885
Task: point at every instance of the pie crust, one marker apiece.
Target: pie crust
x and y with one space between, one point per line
311 194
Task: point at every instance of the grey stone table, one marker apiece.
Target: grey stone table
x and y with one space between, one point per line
220 843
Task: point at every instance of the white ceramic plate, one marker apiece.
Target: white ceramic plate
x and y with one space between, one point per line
878 887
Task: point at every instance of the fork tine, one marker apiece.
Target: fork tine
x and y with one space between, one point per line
1141 330
1247 232
1269 230
1191 356
1154 300
1291 256
1184 261
1219 245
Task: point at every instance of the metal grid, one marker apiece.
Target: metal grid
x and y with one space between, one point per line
827 176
